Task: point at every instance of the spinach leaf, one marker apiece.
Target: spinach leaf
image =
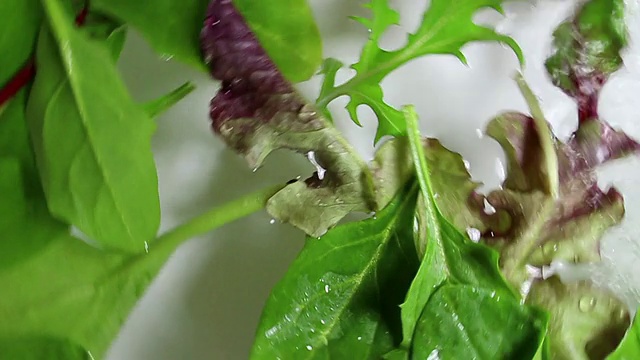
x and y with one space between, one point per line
258 111
467 322
92 142
19 30
40 347
453 266
340 296
172 28
629 348
446 27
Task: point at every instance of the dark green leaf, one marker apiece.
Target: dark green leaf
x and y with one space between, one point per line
39 348
92 142
290 37
18 31
171 27
466 322
629 348
446 27
449 257
340 297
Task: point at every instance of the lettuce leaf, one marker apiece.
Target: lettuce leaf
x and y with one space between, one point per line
257 111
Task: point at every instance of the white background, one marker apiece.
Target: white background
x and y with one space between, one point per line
206 302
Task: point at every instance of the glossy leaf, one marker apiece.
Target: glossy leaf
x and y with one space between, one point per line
258 111
18 32
451 258
466 322
92 142
445 28
629 348
340 297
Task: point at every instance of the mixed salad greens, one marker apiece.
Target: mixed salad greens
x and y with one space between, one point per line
438 271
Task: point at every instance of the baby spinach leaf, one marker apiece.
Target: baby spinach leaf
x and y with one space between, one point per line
92 142
19 29
629 348
340 296
446 26
40 347
467 322
172 28
257 111
453 264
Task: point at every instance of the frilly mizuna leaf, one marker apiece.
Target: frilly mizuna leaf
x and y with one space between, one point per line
446 27
92 142
340 297
258 111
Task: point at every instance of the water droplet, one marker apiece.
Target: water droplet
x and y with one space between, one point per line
434 355
436 195
359 338
479 133
474 234
586 304
467 165
322 322
272 221
146 247
166 57
327 288
488 208
311 155
500 170
309 347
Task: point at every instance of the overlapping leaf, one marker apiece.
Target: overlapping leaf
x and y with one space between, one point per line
257 111
340 297
92 142
446 27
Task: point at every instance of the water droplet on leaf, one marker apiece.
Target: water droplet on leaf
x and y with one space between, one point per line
586 304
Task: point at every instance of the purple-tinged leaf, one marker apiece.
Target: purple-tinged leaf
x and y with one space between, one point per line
588 51
257 111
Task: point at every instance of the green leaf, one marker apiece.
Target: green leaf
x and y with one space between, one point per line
164 103
445 28
291 38
451 258
466 322
629 348
18 32
588 46
340 297
172 28
38 348
92 142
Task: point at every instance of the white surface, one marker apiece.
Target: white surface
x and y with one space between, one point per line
206 302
